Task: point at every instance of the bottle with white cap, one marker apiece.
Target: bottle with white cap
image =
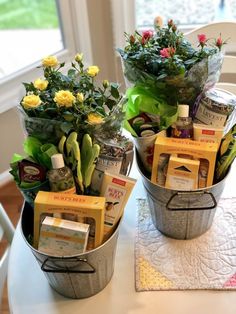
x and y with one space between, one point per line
183 127
60 176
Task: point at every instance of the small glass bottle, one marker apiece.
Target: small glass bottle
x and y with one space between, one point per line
183 127
60 177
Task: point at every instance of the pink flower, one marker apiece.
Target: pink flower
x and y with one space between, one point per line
167 52
146 36
202 39
219 42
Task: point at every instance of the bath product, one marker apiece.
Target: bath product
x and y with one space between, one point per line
184 147
60 177
182 174
59 237
116 189
183 127
47 203
217 108
207 133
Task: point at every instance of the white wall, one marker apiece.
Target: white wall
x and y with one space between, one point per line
11 138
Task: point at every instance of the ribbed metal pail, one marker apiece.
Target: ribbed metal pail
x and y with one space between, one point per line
78 276
181 214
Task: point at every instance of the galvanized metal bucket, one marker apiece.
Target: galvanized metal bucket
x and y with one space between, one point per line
181 214
78 276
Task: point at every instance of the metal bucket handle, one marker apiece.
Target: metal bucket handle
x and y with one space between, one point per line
197 193
50 269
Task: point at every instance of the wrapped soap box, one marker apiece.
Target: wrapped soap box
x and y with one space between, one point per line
59 237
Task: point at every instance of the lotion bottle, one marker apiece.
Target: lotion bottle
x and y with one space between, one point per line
60 177
183 127
61 180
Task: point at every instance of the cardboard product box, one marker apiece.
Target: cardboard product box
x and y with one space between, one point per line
59 237
189 149
207 133
116 189
182 174
47 203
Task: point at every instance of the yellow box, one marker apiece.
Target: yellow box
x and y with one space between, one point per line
81 205
186 147
182 174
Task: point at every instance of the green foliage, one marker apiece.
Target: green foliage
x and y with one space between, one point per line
93 104
144 53
28 14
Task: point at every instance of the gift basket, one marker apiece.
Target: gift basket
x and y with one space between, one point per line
74 175
183 127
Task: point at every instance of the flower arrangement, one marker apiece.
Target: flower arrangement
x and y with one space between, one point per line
74 115
165 61
59 103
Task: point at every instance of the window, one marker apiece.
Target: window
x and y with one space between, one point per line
185 13
31 30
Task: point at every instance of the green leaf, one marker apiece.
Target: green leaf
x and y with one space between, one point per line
114 91
71 73
32 146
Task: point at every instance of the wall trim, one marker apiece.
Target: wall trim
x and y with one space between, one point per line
5 177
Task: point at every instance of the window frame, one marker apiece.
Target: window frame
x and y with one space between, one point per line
12 89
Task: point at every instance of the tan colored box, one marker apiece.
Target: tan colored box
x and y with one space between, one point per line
184 147
59 237
81 205
182 174
207 133
116 189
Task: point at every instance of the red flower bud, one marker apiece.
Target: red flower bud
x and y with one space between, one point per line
219 42
146 36
202 39
132 39
174 28
170 23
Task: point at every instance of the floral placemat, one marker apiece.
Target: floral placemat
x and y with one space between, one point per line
206 262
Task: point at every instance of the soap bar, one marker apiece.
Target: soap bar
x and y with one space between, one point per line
59 237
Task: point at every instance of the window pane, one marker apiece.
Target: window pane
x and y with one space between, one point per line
185 13
30 30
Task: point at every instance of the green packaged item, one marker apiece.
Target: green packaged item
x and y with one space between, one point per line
226 154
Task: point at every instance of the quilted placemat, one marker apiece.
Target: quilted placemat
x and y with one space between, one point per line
206 262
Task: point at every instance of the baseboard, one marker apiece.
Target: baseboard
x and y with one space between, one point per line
5 177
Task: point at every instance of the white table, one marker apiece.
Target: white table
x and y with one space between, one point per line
30 293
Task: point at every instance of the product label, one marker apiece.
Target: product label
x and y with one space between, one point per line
210 117
115 197
181 183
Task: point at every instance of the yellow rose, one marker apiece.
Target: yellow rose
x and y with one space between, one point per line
50 61
80 97
93 70
40 84
64 98
79 57
31 101
94 118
